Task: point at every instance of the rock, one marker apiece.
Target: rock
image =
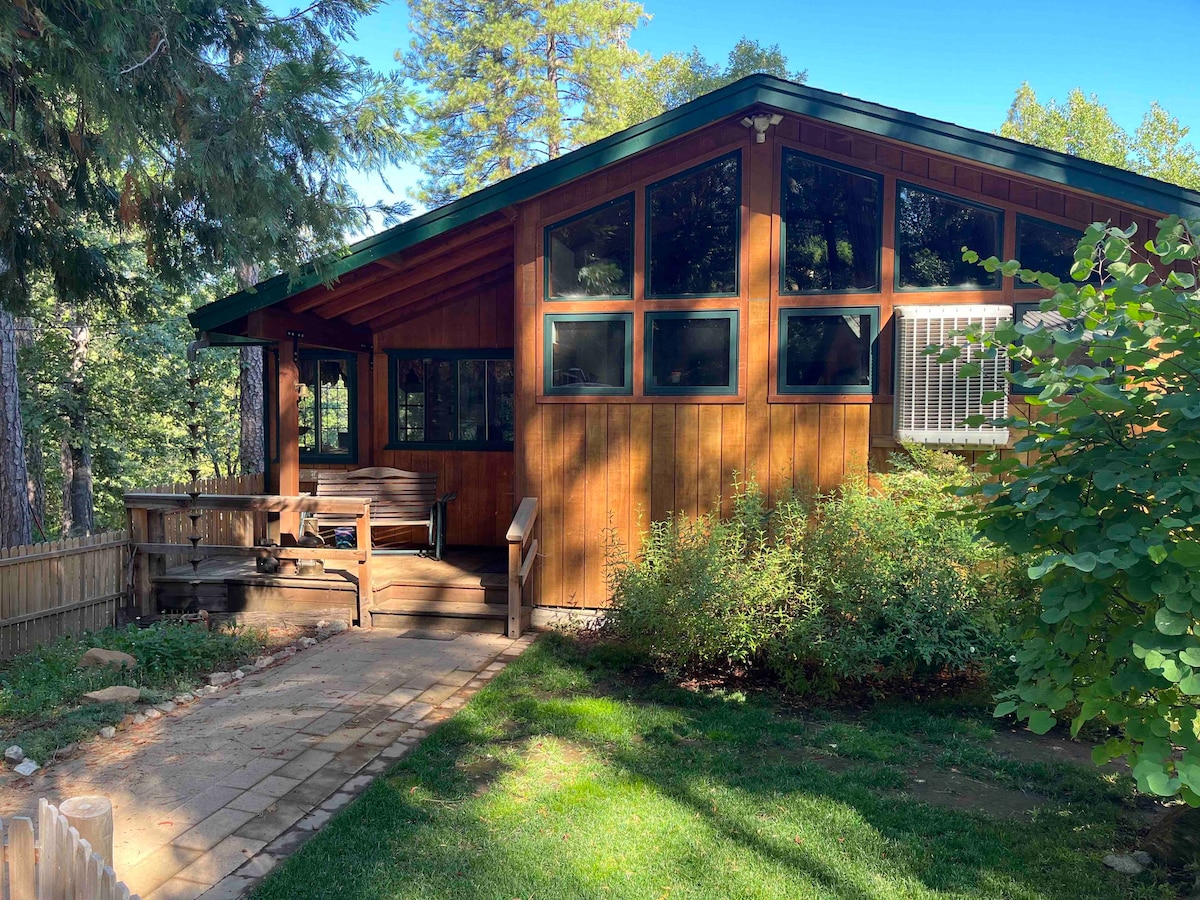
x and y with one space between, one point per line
99 658
329 629
151 713
238 674
1124 863
14 755
263 661
185 698
1175 840
285 653
165 707
108 732
209 689
305 642
1142 857
139 719
64 752
118 693
27 768
217 679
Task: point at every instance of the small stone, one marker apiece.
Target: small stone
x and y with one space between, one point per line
118 693
165 707
14 755
1124 863
185 698
126 721
263 661
305 642
151 713
64 752
238 674
217 679
1142 857
98 658
285 653
27 768
329 629
139 719
209 689
108 732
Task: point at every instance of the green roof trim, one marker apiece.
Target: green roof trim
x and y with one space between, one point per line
754 90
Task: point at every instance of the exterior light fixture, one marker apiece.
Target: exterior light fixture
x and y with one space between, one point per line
760 122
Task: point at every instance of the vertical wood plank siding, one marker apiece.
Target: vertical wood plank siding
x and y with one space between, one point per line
608 466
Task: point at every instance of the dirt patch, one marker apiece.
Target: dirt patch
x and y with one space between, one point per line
953 790
1025 746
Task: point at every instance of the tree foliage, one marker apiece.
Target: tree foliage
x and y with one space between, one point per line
1082 126
1103 495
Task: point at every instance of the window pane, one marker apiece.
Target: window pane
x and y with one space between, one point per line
592 256
1046 247
827 350
690 353
931 231
831 220
472 400
694 231
410 400
588 354
500 400
308 406
333 406
441 413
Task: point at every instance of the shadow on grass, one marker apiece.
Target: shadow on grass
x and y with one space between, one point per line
563 779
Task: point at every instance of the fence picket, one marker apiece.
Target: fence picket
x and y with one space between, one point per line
22 874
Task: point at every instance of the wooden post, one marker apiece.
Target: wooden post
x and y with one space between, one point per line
514 589
287 473
92 817
363 540
22 873
139 533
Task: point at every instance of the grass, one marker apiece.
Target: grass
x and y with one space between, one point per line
41 705
571 776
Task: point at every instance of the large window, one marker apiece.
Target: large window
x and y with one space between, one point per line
693 225
692 352
328 399
931 230
828 351
832 226
1045 247
589 353
451 399
591 255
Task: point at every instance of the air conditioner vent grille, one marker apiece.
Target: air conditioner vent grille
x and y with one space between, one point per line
932 402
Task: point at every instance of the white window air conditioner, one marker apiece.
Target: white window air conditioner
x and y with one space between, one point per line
932 402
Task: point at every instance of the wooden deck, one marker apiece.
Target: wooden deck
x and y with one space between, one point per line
465 591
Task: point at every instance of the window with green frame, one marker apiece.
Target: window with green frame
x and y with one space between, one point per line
832 217
931 230
588 353
828 350
693 231
328 406
590 256
1045 247
450 399
692 352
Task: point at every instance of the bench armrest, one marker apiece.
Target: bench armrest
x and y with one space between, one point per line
446 498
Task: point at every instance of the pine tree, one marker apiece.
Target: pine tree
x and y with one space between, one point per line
513 83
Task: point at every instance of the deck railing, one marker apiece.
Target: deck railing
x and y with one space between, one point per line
520 562
147 535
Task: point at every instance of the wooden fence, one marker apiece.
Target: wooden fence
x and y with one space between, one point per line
70 586
59 866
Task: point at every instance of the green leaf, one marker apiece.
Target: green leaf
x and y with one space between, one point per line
1157 553
1006 708
1041 721
1172 623
1187 554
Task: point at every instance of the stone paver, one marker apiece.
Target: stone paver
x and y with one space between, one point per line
209 797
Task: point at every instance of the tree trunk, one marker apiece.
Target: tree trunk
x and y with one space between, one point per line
16 523
80 487
553 141
35 460
66 467
252 450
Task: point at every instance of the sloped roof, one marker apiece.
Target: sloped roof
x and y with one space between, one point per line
754 90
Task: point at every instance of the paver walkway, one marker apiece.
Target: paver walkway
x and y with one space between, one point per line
207 799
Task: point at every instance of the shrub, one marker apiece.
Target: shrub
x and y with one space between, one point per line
871 583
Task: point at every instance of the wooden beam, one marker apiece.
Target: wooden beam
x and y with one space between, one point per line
476 271
287 473
351 506
208 551
410 311
343 304
319 331
315 296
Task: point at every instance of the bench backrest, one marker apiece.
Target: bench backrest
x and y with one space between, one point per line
397 497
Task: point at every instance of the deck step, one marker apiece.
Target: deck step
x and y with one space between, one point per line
444 615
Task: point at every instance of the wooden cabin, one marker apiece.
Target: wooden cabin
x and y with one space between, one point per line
617 333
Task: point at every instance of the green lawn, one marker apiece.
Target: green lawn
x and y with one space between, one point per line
567 777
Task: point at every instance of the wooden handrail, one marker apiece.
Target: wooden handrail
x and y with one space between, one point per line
519 563
351 506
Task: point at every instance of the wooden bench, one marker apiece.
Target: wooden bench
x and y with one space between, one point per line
397 498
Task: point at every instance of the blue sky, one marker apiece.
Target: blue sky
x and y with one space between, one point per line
960 62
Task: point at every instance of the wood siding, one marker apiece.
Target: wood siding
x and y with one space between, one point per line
604 467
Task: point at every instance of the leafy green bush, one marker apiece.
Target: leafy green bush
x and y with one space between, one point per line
871 583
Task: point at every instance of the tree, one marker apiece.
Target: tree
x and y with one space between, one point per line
1082 126
1106 504
199 135
513 83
